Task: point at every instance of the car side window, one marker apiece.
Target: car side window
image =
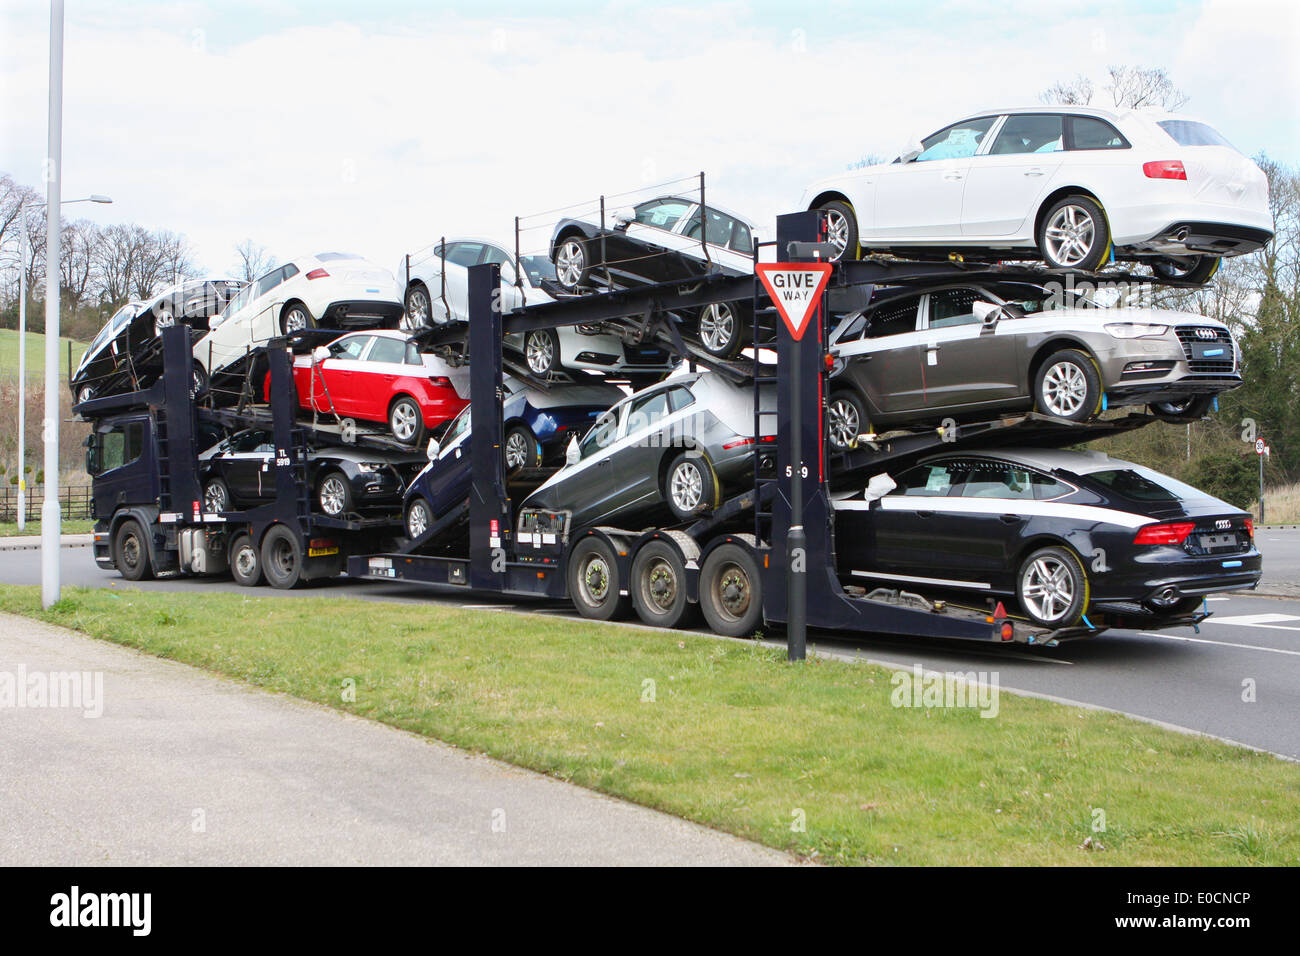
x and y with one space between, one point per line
601 435
464 253
934 480
290 271
350 348
1047 487
950 307
250 442
495 254
1030 133
1088 132
662 213
893 319
648 411
995 479
269 282
413 355
681 397
741 239
717 227
957 141
387 350
853 330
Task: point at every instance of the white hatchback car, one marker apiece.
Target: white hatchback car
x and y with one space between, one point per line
1072 185
437 292
332 290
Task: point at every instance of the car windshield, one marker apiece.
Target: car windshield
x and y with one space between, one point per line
1192 133
114 325
1140 485
537 268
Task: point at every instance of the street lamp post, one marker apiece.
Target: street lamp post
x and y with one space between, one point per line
51 514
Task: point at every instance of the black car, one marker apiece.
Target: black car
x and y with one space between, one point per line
238 473
126 353
1065 534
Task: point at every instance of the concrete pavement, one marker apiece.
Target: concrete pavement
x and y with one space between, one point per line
187 768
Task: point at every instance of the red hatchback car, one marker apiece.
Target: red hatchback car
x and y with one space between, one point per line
380 376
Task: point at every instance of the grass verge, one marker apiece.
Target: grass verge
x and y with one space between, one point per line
35 354
9 529
730 735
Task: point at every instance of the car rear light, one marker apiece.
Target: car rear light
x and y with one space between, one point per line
1250 527
738 441
441 381
1165 169
318 274
1172 533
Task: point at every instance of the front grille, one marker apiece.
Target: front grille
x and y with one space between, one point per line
1191 335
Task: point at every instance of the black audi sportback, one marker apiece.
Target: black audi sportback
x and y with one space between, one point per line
1064 534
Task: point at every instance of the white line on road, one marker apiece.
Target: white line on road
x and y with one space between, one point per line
1202 640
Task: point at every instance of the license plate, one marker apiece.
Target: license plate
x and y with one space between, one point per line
1221 351
321 552
1211 541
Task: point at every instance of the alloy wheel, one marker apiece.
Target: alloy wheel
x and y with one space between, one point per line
570 261
837 231
717 327
516 451
417 519
844 423
332 495
295 321
405 421
1064 389
540 352
1048 588
687 486
215 499
417 308
1070 235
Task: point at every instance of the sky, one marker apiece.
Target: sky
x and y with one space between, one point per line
376 127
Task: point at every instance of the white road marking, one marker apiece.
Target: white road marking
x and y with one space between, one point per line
487 607
1202 640
1218 599
1273 621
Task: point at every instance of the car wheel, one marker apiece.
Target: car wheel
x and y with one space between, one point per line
594 583
198 382
722 329
846 419
419 516
334 494
572 264
1074 234
731 591
296 318
691 486
216 497
1191 409
1068 386
659 586
86 394
163 319
131 551
406 421
245 562
841 228
1197 269
281 558
542 351
521 450
419 310
1053 588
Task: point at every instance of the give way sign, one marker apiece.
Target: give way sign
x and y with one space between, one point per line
795 288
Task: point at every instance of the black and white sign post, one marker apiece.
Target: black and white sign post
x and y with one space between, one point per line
1261 449
796 290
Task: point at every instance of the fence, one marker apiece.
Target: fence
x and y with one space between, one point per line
76 502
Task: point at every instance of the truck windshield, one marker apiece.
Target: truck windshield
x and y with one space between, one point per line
114 447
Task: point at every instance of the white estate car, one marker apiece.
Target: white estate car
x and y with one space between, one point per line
1068 184
332 290
432 299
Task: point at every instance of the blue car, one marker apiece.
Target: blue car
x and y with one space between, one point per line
538 426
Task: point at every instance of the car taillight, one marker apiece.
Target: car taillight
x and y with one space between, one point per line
1173 533
318 274
441 381
1250 527
738 441
1165 169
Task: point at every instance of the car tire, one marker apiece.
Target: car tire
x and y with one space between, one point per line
521 449
846 419
86 394
1191 409
216 497
721 329
1074 234
1194 269
542 351
659 586
691 486
419 517
419 306
572 262
334 494
594 583
1053 588
281 558
198 382
1068 386
131 551
245 562
841 228
296 317
731 591
406 420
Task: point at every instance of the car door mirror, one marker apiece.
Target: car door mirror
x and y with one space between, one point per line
623 216
879 486
912 151
320 353
432 449
988 314
573 453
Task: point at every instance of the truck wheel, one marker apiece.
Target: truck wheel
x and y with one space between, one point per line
593 581
691 486
1052 588
281 558
731 591
131 551
245 562
659 586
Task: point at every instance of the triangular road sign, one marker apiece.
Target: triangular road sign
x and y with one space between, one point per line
795 288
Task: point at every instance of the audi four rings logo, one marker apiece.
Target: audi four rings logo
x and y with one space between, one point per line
1223 524
1207 334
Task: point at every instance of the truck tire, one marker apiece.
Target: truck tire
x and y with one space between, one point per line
659 586
594 583
245 562
731 591
282 558
131 551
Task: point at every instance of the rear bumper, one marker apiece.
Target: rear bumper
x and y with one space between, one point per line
1182 228
361 314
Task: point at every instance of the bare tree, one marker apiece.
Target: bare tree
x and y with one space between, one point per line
114 257
1076 92
1130 87
254 260
77 261
12 196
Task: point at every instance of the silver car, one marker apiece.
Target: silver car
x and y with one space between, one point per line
917 356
